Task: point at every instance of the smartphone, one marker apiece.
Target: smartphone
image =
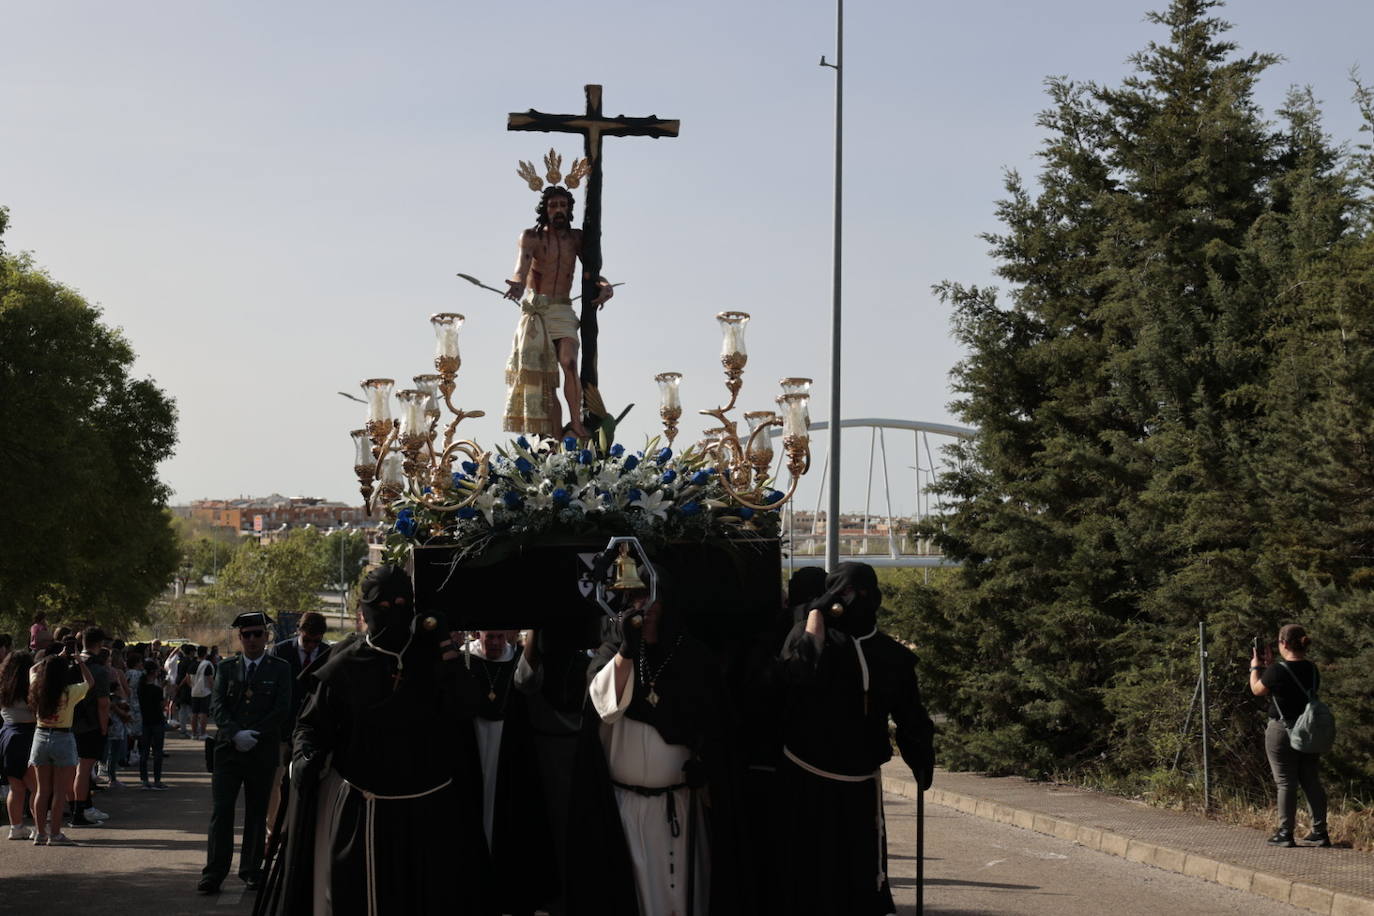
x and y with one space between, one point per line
1258 645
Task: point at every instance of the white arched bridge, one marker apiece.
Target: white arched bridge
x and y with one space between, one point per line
901 463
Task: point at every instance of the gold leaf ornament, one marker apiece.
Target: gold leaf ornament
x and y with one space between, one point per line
527 172
554 163
579 170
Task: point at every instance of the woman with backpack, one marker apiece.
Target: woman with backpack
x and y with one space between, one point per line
1289 682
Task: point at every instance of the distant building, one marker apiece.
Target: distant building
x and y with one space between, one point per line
271 513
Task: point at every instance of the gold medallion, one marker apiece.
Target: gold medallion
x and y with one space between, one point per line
653 697
491 695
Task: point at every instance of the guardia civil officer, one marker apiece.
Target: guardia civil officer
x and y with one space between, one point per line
249 706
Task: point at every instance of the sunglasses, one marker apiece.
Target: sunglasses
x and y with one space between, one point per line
252 634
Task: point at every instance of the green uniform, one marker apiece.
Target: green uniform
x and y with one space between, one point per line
261 703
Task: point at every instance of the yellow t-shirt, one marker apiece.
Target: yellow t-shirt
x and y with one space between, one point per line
65 706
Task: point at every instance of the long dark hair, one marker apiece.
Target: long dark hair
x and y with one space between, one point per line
49 685
541 212
14 678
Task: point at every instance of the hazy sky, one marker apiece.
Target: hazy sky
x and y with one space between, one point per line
271 198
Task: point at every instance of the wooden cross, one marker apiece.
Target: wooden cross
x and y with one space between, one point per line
592 125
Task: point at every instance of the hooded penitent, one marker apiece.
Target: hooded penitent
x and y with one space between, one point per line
854 588
387 603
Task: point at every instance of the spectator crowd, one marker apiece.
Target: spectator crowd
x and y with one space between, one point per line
86 714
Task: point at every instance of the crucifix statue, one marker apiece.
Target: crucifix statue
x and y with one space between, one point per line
543 274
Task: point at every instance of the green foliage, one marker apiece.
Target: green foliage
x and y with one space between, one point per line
1174 418
80 448
284 575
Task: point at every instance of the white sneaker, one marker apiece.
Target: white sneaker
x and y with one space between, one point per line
60 839
21 833
95 814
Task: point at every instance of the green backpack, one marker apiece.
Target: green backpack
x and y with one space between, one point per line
1314 731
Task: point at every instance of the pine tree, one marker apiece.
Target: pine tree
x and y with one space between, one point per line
1128 406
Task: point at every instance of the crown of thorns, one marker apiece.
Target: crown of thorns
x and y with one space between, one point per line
553 163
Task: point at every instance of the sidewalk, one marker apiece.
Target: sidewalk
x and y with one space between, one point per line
1336 882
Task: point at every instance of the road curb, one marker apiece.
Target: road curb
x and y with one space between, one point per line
1275 887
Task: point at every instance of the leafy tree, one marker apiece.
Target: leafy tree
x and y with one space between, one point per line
81 446
284 575
343 550
1172 311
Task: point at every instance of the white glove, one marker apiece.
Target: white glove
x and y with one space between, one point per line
245 740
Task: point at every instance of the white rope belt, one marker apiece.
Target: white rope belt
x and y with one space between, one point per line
371 799
840 777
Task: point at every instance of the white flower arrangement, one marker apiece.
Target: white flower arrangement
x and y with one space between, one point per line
542 487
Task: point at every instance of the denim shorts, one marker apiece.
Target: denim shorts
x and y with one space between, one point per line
53 749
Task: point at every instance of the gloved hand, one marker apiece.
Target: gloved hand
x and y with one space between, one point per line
245 740
924 771
631 635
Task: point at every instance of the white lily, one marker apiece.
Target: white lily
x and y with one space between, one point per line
654 504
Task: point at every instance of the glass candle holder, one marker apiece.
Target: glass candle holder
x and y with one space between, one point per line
446 328
378 391
732 349
668 398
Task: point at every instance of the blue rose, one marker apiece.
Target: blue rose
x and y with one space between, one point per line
632 495
459 478
746 513
512 499
467 513
560 496
631 463
406 524
585 456
702 477
669 475
690 508
774 495
569 443
617 450
469 467
522 464
523 443
663 455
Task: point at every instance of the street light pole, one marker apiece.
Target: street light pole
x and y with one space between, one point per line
832 521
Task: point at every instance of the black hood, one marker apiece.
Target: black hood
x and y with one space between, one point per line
389 627
854 587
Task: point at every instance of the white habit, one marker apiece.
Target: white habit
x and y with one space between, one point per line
638 756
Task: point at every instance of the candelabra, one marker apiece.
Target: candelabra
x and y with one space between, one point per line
742 466
402 455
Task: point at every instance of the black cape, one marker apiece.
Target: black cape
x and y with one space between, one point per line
694 710
832 853
391 738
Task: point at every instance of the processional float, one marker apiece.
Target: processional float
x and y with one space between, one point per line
517 535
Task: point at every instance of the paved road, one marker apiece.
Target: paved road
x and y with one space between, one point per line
149 856
154 846
975 866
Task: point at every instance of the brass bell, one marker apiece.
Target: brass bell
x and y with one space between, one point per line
637 621
627 572
836 609
429 623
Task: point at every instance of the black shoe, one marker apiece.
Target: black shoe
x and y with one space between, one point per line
208 886
1283 838
253 882
80 820
1319 837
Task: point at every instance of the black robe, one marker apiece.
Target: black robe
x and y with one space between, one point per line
694 711
520 872
389 738
832 849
